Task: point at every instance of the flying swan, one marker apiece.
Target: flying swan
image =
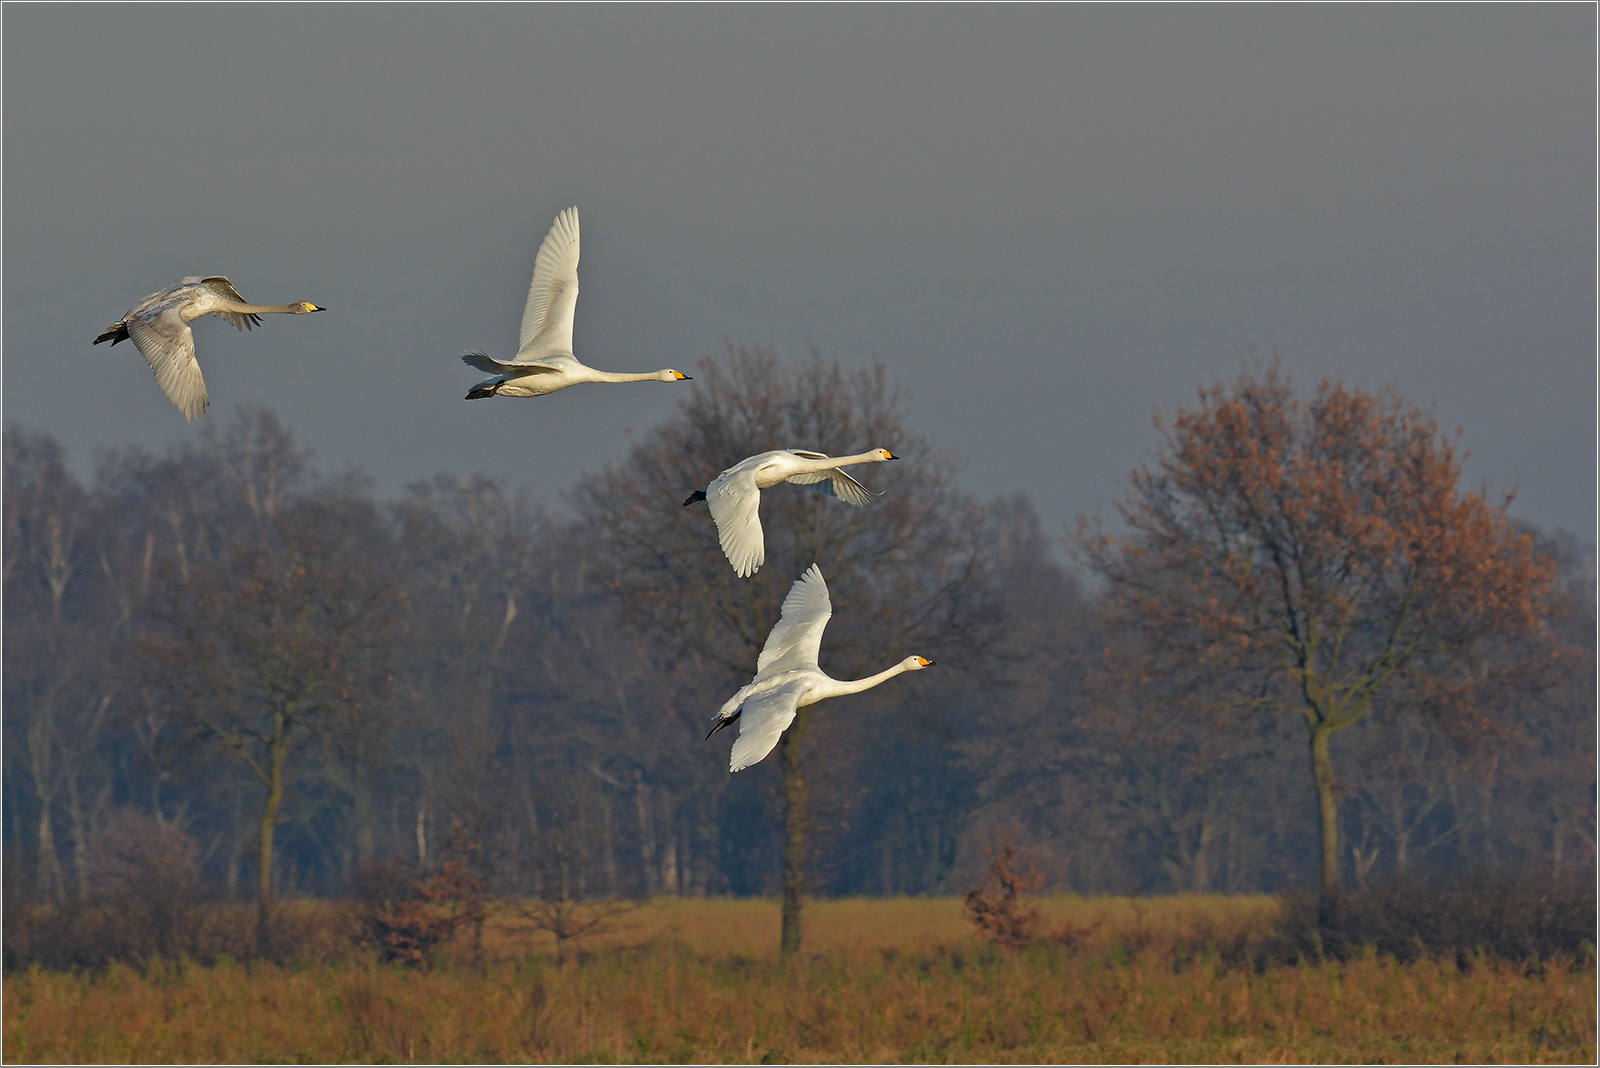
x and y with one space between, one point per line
735 495
787 676
159 327
544 362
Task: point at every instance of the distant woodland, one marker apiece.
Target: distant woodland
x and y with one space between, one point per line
222 647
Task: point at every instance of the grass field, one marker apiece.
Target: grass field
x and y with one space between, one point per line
879 980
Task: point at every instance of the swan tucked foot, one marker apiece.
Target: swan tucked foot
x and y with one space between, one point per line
482 390
787 676
544 362
734 496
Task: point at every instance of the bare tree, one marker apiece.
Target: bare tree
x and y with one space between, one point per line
1081 759
58 625
469 554
908 570
282 633
569 850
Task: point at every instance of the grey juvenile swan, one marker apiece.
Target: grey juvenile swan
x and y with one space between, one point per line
544 362
159 326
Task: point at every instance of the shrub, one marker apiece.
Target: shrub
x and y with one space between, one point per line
406 916
141 902
1478 915
998 906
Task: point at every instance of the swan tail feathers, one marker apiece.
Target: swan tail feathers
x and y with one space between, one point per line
724 722
483 362
114 333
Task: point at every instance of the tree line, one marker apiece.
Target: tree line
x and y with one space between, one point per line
1302 652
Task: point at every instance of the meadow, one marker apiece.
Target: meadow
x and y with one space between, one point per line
881 980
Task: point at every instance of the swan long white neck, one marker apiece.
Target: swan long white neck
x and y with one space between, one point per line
261 309
617 376
840 687
832 462
195 309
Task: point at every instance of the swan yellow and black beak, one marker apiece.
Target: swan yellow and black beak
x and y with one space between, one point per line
683 377
925 661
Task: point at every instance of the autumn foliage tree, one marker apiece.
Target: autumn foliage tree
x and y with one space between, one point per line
1321 557
998 906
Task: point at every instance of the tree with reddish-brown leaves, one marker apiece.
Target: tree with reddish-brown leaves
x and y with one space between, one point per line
407 915
1320 557
998 906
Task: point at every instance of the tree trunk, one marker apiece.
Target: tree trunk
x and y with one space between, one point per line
796 794
1558 840
49 867
1328 810
41 753
236 850
362 815
269 822
80 834
1201 881
647 834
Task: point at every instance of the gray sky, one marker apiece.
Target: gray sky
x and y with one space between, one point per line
1047 221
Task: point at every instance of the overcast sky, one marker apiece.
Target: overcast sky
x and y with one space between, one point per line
1047 221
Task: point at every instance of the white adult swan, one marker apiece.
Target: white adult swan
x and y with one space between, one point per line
159 326
787 676
544 362
735 495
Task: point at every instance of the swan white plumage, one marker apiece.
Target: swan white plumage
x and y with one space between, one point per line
787 676
159 327
544 361
735 495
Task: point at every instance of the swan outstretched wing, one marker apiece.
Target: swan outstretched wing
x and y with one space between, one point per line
761 722
220 285
797 639
489 365
167 344
836 483
547 318
833 482
735 503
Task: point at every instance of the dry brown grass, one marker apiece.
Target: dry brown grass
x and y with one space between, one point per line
747 928
898 980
